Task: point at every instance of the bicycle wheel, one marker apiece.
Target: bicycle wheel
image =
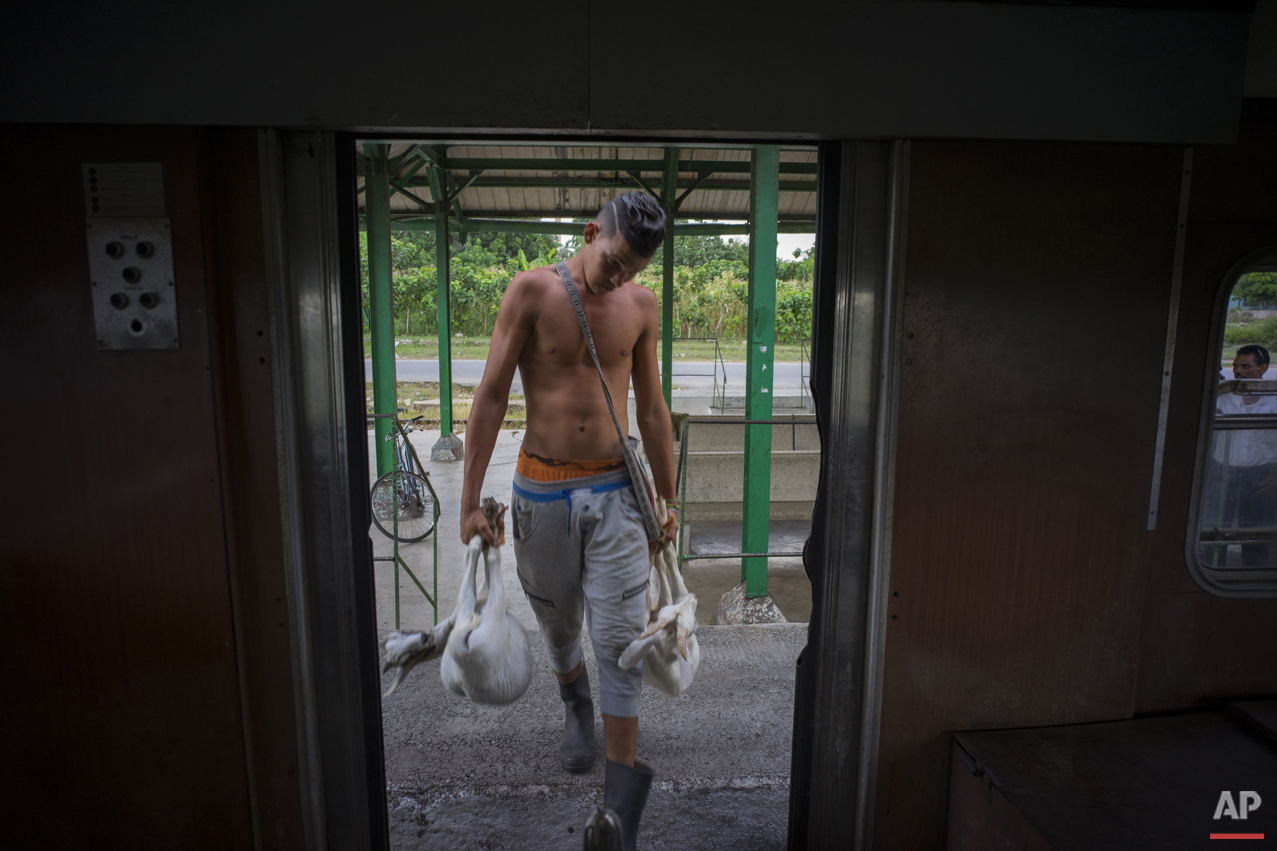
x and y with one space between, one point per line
416 508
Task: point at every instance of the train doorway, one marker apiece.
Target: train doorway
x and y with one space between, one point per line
858 203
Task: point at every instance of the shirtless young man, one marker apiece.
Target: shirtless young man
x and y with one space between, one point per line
579 539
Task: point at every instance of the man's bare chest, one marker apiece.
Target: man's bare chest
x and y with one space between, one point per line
557 339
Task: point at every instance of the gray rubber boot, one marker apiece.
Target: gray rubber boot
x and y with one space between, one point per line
576 751
625 793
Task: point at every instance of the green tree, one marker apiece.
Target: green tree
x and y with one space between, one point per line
413 292
1257 288
697 250
801 268
411 249
502 249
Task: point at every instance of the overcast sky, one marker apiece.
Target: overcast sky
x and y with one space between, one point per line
787 242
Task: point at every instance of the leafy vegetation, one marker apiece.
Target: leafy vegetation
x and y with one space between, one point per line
1242 327
476 348
1257 288
711 281
1263 332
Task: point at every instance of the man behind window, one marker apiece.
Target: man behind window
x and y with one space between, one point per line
1242 483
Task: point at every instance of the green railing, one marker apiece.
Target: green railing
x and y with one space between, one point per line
395 558
718 395
804 372
680 484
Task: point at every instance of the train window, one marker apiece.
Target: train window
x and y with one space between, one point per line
1232 541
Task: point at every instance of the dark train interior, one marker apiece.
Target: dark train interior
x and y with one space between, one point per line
1044 596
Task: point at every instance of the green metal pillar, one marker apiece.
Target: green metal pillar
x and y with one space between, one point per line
443 298
669 190
448 447
381 320
764 183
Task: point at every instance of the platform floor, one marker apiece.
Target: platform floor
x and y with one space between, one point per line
461 776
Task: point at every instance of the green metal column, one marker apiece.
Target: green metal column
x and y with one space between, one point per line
448 447
381 320
764 184
669 189
443 296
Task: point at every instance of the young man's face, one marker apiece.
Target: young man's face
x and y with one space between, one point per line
1247 368
610 263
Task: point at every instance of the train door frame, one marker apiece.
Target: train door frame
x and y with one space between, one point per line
309 209
862 213
307 202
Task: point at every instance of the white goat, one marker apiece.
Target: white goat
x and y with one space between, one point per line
485 651
668 646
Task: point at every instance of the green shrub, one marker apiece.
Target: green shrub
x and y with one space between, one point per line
1263 332
711 296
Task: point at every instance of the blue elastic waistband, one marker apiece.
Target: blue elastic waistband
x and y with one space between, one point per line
566 494
555 496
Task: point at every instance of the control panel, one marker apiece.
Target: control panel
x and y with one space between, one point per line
131 267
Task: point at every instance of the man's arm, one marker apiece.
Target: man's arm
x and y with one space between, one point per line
650 410
515 319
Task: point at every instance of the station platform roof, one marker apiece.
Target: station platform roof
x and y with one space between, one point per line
536 182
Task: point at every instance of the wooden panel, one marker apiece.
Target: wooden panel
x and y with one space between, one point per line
980 816
1197 649
1211 249
1035 300
121 710
1200 650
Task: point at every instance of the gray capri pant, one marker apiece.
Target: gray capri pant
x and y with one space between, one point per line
580 546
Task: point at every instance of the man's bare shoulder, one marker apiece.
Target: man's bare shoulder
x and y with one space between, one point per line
536 281
644 298
527 289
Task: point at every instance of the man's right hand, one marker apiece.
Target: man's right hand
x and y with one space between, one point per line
475 522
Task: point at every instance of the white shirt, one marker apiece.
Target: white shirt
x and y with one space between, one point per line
1246 447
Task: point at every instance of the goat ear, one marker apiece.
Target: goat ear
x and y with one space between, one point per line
637 649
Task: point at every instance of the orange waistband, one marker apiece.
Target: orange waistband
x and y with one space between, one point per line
540 469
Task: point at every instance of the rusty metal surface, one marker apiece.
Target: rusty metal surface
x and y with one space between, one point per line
1036 287
121 702
1145 783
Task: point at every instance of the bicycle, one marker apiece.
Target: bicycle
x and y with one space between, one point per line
403 501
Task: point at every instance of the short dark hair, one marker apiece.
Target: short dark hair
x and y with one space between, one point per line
1259 352
636 216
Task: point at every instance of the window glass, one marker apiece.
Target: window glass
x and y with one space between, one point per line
1233 534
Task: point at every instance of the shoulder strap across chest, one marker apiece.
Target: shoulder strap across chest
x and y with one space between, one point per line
642 488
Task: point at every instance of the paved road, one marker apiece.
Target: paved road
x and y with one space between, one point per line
468 372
